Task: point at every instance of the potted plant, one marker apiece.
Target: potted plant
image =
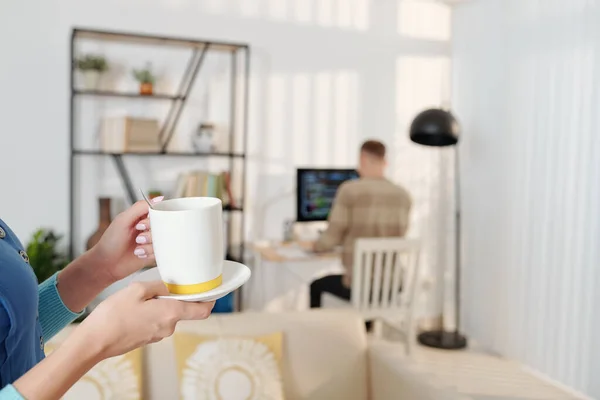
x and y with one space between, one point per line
146 79
154 193
92 67
45 257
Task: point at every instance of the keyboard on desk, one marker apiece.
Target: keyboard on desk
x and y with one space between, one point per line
293 251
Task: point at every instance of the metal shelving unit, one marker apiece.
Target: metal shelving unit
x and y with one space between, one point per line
178 100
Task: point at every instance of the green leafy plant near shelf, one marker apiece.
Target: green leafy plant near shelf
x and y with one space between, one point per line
91 62
144 75
45 257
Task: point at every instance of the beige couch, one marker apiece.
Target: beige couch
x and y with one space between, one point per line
326 356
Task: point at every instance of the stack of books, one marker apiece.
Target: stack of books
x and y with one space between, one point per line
205 184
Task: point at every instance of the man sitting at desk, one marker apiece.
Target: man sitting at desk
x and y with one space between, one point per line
371 206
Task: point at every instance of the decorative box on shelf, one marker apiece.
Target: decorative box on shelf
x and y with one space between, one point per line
130 135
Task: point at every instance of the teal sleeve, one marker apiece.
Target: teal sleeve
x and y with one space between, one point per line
10 393
54 315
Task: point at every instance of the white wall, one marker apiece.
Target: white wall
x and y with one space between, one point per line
326 75
526 87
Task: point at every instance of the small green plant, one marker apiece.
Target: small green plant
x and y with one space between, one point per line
144 75
44 255
92 62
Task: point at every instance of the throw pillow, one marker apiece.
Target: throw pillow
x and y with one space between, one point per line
114 378
229 368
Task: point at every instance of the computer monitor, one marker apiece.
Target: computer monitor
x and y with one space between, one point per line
316 189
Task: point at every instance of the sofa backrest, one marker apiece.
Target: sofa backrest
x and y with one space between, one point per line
324 353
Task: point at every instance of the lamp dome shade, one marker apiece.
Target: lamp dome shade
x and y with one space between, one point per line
435 127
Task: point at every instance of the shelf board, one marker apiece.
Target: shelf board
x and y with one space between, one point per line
229 208
109 93
157 154
125 37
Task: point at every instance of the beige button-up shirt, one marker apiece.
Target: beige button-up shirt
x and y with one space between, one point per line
367 207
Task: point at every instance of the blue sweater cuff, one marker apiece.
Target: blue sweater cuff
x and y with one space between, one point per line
54 314
10 393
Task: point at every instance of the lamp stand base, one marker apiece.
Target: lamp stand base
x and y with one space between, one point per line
443 340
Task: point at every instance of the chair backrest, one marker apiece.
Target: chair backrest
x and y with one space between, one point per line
384 272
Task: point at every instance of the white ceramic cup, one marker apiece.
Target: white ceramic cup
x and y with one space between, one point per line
187 236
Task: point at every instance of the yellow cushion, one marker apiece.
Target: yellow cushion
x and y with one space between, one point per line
229 368
114 378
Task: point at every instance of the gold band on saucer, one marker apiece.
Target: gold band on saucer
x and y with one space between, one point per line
196 288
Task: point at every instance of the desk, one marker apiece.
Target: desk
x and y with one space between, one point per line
280 280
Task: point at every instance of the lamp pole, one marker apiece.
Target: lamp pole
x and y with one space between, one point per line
457 239
439 128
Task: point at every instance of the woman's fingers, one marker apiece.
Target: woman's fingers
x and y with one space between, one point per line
134 317
138 210
144 251
144 238
195 311
143 225
148 290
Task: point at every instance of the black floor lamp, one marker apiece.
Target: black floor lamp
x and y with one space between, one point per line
439 128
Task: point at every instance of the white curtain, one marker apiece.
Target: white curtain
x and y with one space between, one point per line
423 81
526 86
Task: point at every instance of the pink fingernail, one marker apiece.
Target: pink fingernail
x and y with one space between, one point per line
139 252
140 227
144 256
141 239
157 199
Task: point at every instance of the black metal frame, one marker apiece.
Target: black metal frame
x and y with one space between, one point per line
200 49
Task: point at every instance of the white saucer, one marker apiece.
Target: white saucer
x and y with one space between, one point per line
234 276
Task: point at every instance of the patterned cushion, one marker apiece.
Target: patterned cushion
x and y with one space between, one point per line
229 368
114 378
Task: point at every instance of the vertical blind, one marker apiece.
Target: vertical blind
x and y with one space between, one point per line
527 89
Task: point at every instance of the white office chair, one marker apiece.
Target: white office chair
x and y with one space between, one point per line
383 284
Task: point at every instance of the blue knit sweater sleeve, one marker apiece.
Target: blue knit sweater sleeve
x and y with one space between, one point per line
54 314
10 393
